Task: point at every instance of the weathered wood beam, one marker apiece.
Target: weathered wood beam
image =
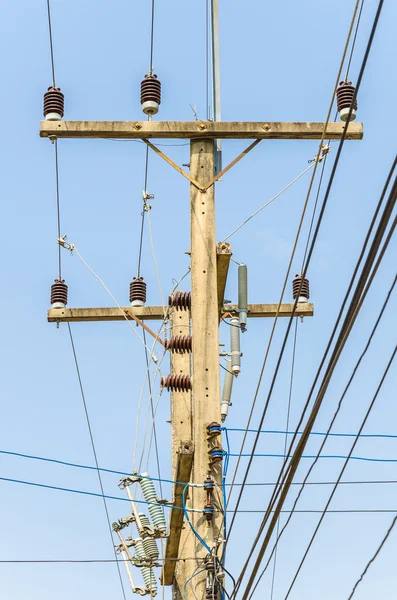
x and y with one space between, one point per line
197 129
155 313
183 471
223 256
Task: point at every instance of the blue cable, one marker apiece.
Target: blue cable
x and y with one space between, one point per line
187 581
62 489
189 521
323 433
383 460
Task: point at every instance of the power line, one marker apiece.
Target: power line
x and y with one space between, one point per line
289 267
354 40
338 349
95 454
343 469
285 444
373 558
305 481
51 43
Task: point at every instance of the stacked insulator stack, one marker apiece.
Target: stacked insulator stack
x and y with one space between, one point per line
138 292
155 510
180 301
149 543
179 344
59 294
344 100
177 383
54 104
150 94
303 295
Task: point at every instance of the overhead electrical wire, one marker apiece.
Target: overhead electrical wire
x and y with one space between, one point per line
305 481
291 381
302 442
290 264
343 469
197 510
363 286
374 557
95 454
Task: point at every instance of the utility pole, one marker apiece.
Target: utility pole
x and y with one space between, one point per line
196 452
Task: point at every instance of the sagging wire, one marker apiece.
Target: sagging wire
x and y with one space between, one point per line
185 511
94 453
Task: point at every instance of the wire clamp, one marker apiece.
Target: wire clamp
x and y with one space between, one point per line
321 155
62 242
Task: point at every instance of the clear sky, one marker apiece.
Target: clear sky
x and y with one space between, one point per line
279 61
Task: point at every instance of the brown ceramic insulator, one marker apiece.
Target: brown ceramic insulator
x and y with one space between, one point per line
344 95
150 89
54 101
180 300
304 290
138 290
59 292
180 344
177 383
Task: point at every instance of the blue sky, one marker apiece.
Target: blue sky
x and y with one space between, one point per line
278 62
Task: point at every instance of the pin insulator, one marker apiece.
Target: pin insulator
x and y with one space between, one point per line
137 292
216 455
209 484
179 344
150 94
344 100
54 104
303 295
59 294
214 429
208 512
177 383
180 300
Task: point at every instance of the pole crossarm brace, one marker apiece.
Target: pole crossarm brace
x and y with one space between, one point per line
199 129
183 471
156 313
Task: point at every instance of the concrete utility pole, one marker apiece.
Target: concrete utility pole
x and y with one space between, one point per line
193 411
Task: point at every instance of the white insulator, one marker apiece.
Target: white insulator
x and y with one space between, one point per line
146 527
58 305
147 572
150 547
242 296
227 390
344 113
235 345
149 543
53 116
155 511
150 107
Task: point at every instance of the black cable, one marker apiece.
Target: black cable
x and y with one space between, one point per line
373 558
352 313
302 442
343 468
95 455
151 41
292 255
51 44
304 483
354 40
285 444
